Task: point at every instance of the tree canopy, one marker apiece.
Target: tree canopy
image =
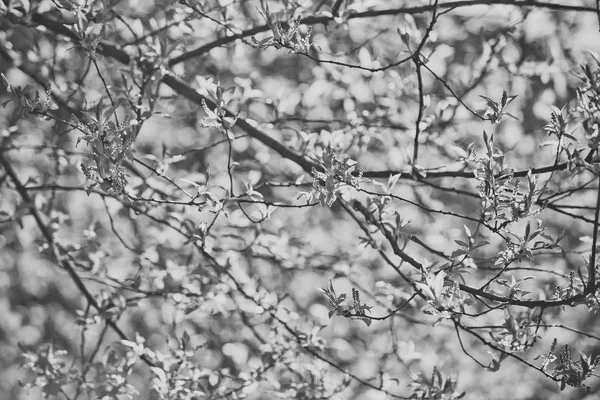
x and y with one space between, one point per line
299 199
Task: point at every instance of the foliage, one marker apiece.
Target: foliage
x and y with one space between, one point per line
299 199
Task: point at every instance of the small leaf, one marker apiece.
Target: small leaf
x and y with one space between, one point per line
228 95
392 180
160 374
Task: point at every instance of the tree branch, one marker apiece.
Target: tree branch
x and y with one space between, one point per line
65 263
315 20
